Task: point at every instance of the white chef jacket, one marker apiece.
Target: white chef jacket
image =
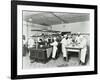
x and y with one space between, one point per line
24 42
64 44
78 39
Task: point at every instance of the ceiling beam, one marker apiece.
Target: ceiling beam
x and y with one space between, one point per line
59 18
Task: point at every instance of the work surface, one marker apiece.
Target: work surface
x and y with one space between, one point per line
75 48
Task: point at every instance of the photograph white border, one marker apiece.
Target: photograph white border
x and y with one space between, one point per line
21 71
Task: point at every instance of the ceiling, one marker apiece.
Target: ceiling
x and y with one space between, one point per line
53 18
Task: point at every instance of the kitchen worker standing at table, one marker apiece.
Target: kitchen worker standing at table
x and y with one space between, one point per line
83 44
64 44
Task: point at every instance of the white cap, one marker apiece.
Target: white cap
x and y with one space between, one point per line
65 35
54 38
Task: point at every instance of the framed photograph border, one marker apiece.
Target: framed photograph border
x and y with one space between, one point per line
14 39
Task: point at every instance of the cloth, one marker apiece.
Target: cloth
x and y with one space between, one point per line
83 54
49 50
54 44
64 51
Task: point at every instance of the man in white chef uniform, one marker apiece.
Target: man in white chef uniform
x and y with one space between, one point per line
83 50
82 43
54 44
64 44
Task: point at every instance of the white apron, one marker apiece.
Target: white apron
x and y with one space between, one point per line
64 50
64 43
54 51
83 54
54 44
